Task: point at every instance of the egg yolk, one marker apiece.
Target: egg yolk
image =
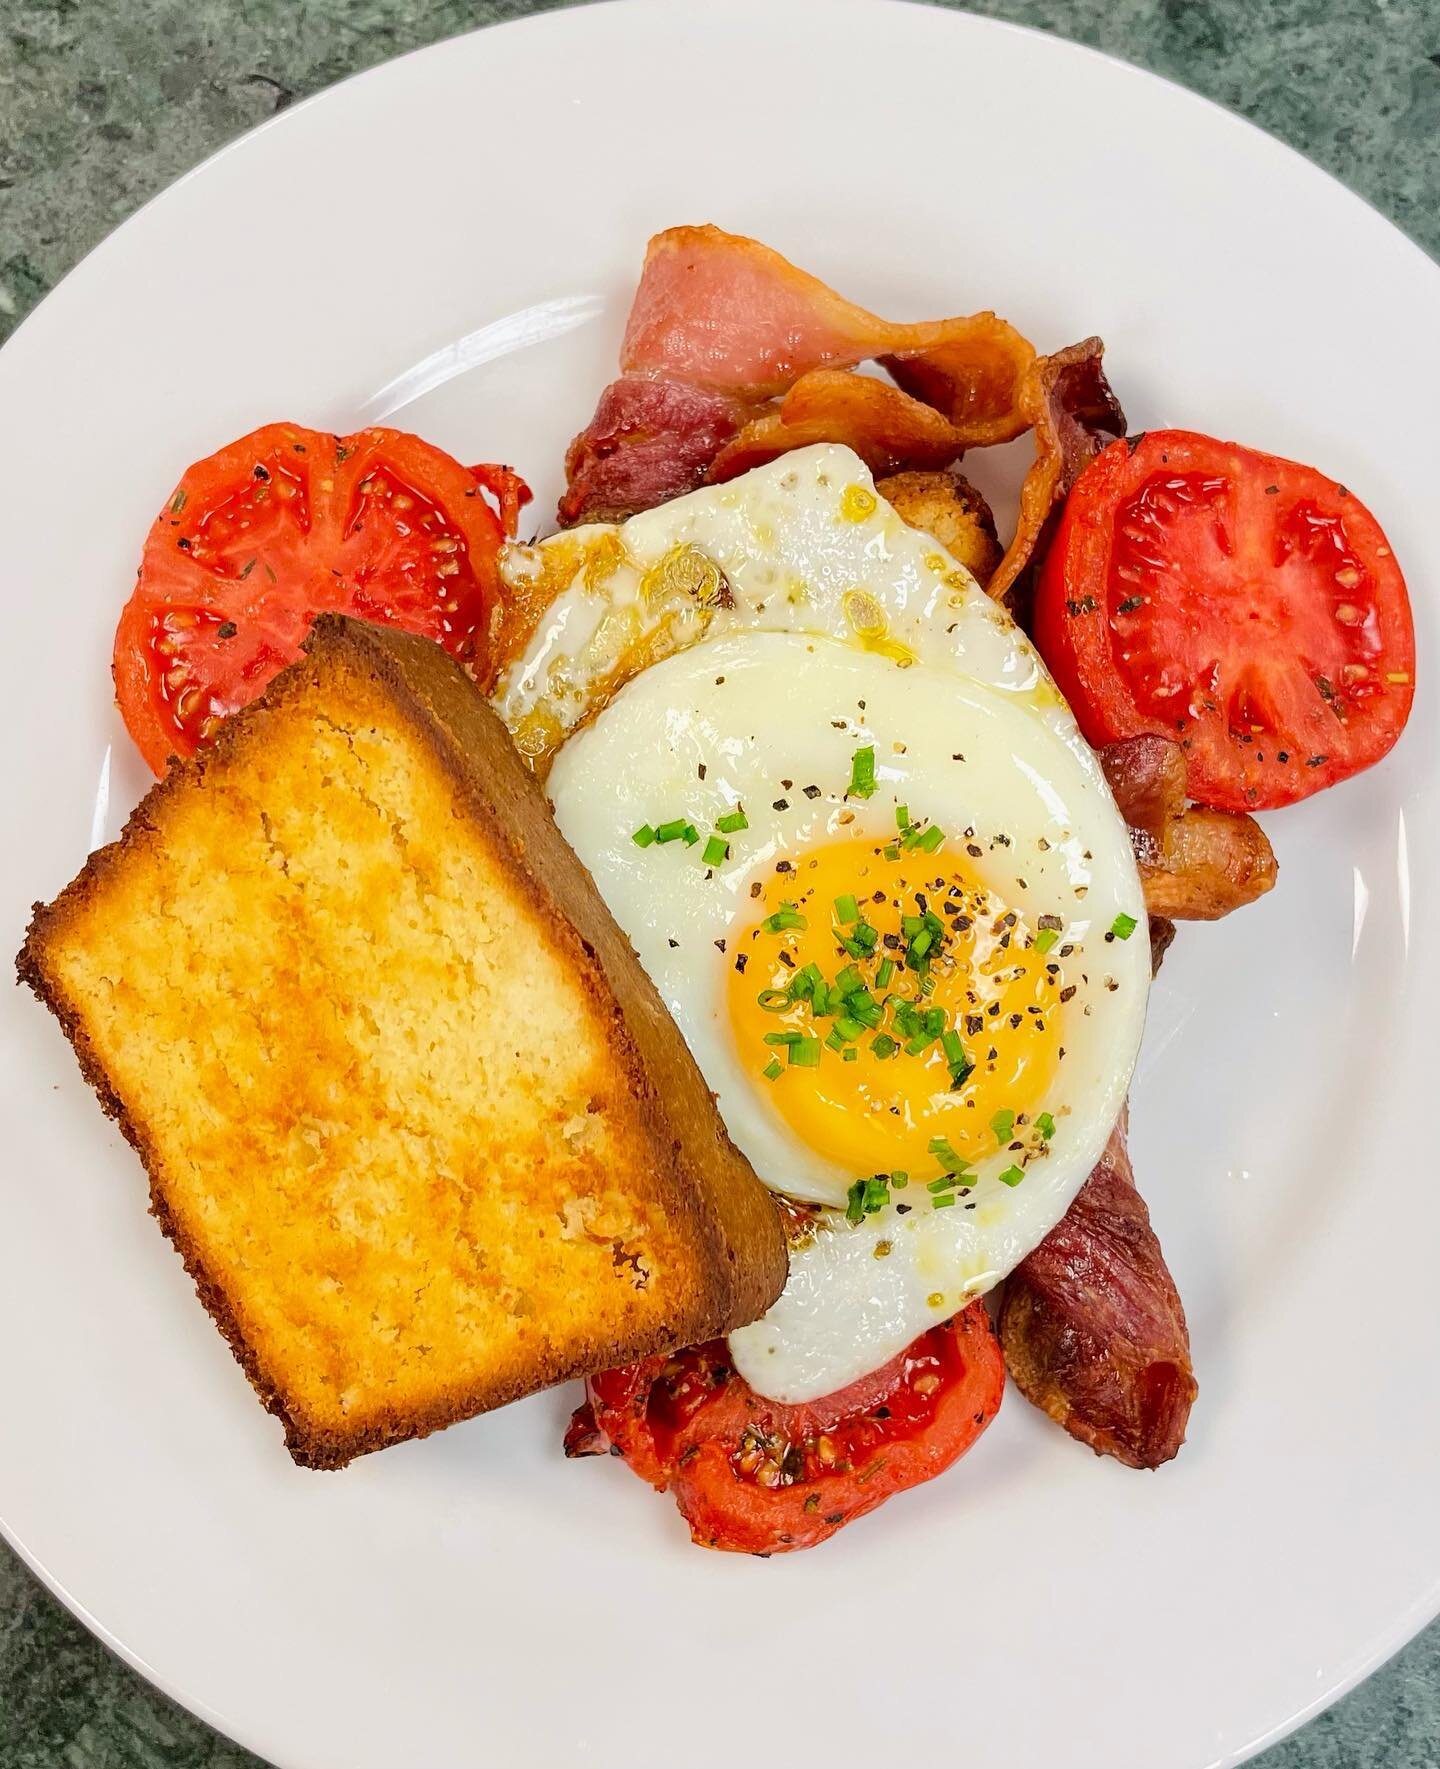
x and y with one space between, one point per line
884 999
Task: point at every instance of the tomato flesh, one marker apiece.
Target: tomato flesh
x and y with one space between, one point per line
281 526
755 1476
1242 603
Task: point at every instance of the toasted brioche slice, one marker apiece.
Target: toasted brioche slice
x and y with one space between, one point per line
412 1113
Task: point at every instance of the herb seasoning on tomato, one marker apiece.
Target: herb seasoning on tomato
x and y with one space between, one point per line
281 526
754 1476
1244 604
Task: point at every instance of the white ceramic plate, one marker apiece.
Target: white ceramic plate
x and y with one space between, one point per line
452 240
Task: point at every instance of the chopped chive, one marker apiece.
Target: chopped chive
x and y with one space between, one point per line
1003 1124
774 1000
865 1197
847 909
899 1179
786 916
783 1037
717 851
849 1054
849 1029
848 980
1123 926
672 831
953 1048
943 1201
643 836
690 835
865 936
772 1070
902 816
876 1195
805 1053
1011 1176
911 837
921 1041
862 773
1046 938
910 925
833 1040
177 503
885 972
921 944
891 851
1045 1124
931 839
944 1153
933 1020
731 822
883 1045
865 1009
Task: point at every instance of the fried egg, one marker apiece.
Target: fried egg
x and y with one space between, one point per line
849 825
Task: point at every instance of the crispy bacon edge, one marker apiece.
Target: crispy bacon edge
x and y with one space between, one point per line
1195 864
1072 409
1092 1326
885 427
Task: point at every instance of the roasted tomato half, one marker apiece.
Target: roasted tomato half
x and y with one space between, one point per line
283 525
756 1477
1242 604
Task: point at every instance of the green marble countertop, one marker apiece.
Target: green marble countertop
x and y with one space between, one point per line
103 102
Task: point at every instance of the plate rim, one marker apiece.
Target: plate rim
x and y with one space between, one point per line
1422 1610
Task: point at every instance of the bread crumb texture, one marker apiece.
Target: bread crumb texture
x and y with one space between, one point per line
377 1090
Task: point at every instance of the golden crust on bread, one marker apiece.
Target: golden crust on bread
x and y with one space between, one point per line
412 1113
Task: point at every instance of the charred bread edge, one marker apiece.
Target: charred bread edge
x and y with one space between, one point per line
749 1291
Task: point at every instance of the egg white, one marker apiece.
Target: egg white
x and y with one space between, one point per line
797 555
840 626
756 710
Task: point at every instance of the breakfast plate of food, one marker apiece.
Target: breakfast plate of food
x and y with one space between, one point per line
758 842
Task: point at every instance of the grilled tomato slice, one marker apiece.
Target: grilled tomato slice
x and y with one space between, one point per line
1245 605
757 1477
281 526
